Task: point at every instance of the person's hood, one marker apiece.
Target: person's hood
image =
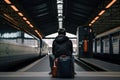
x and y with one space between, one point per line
61 38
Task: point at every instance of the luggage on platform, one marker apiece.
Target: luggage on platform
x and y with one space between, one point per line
65 67
54 69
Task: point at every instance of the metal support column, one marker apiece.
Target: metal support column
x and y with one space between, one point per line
101 46
110 45
22 37
119 42
95 46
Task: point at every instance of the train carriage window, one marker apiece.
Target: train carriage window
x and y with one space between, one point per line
98 46
114 40
106 42
105 45
9 35
98 43
115 43
28 36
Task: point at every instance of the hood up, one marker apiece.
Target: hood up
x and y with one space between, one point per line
61 39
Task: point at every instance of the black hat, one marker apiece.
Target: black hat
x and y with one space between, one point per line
62 31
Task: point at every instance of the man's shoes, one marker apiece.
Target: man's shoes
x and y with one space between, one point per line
50 73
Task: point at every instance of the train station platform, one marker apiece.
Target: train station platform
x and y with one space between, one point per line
93 26
39 71
106 66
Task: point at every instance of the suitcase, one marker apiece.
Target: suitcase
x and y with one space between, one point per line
65 67
54 69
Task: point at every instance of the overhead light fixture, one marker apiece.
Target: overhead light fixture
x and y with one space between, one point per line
111 3
38 33
8 1
59 1
60 19
27 22
20 14
97 17
102 12
24 18
93 21
60 6
90 24
31 25
59 14
60 24
60 11
14 8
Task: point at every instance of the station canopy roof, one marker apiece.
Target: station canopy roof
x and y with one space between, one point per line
44 18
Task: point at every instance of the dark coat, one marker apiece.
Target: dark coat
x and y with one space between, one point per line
62 46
